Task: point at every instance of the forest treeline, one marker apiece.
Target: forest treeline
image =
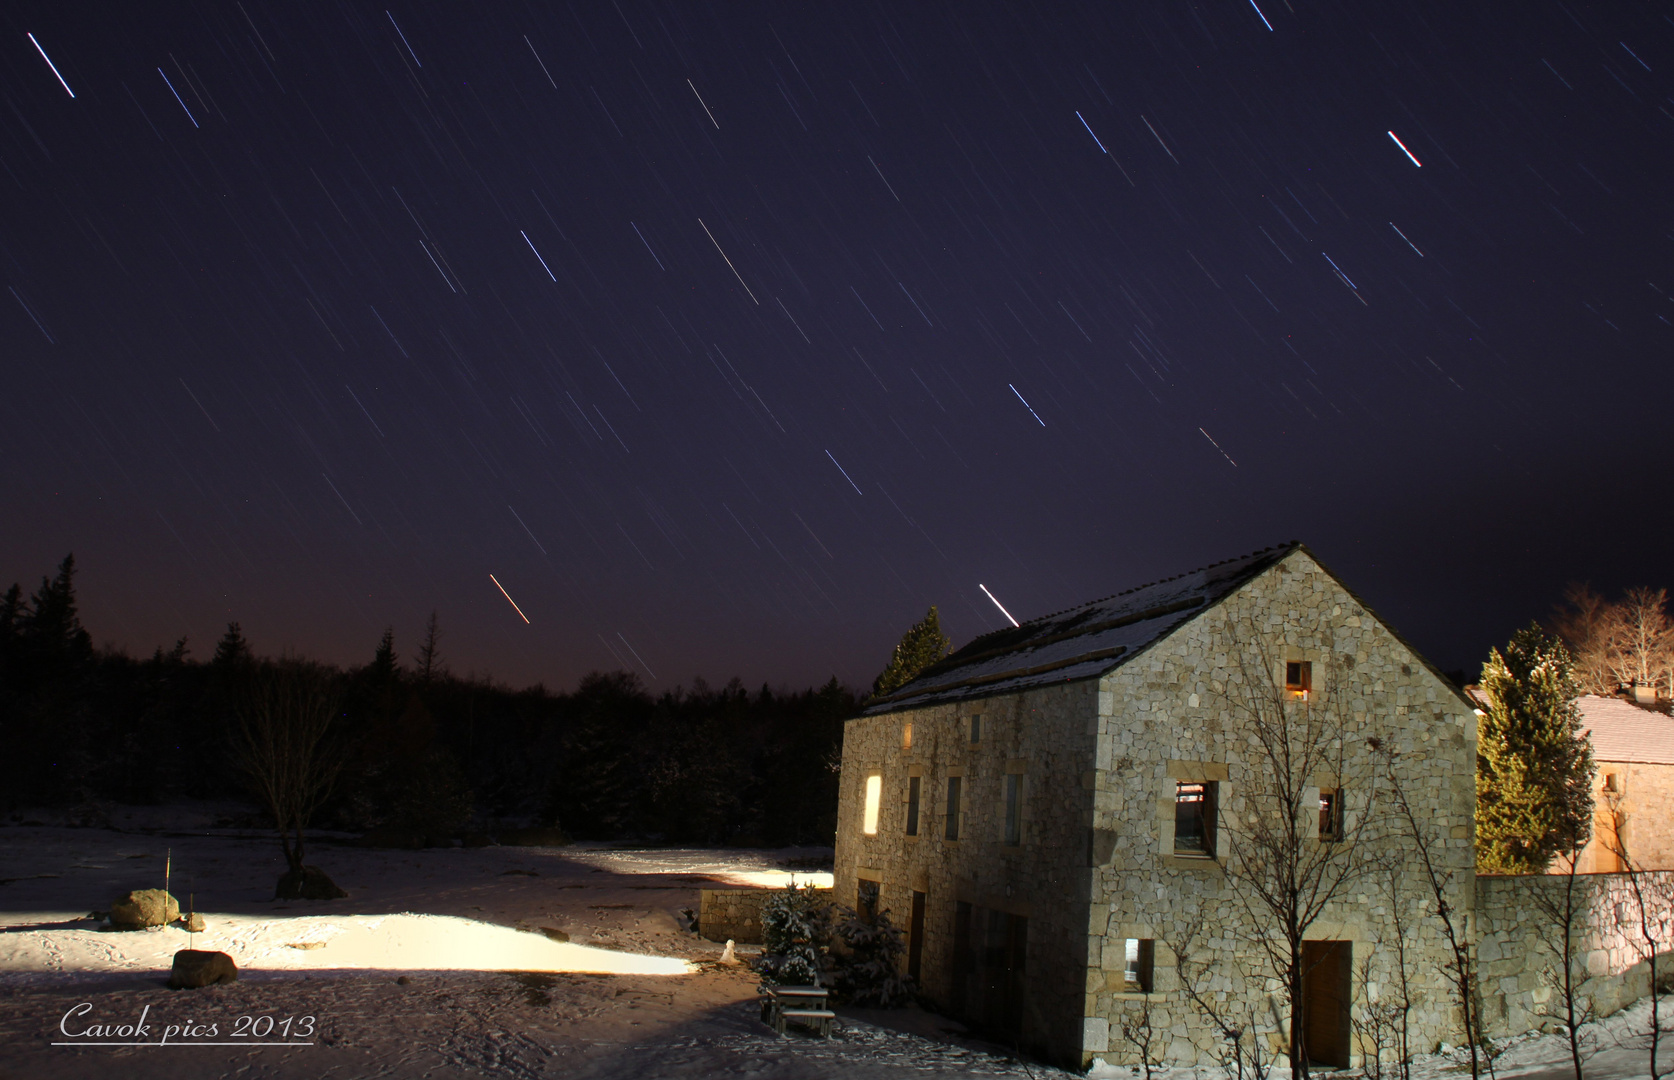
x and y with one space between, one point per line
422 750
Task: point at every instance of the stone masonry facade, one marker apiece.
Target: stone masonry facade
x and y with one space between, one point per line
1519 958
1094 865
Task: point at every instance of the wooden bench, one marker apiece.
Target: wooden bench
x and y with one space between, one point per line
804 1005
816 1019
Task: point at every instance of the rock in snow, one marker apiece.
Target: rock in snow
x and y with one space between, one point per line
142 908
198 967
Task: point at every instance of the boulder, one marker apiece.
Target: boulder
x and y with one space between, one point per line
555 934
142 908
192 924
311 884
200 967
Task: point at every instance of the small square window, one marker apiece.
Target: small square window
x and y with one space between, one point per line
1014 809
1299 677
976 728
953 785
874 795
1330 814
1194 818
913 785
1609 781
1139 965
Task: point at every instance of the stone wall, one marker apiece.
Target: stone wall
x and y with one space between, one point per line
734 914
1519 945
1181 711
1043 734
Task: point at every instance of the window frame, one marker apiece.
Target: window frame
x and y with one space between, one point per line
1011 827
951 811
915 795
1302 684
871 808
1208 791
1330 814
1139 960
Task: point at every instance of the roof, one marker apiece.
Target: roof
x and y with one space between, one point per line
1622 731
1080 643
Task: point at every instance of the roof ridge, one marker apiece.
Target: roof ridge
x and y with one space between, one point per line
1162 581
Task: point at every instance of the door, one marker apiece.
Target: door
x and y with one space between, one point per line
915 937
1327 975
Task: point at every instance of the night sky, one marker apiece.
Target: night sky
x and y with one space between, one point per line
729 337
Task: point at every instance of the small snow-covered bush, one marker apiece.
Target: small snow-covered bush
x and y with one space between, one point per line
870 973
796 938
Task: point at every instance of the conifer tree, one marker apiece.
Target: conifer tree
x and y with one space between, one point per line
1534 765
919 647
232 649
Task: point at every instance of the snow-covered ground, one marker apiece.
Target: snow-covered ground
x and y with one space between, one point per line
451 963
442 962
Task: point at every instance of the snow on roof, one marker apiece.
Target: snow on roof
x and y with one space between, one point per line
1080 643
1622 731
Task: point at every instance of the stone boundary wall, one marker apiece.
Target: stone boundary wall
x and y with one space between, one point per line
735 913
1517 942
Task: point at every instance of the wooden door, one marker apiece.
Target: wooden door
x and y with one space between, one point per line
1327 976
915 937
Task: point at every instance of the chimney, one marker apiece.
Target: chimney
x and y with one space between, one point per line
1645 695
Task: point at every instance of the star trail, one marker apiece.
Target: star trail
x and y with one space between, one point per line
305 298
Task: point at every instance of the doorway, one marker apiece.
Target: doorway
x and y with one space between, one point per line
1327 975
915 937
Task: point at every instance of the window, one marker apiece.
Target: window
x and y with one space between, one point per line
953 785
976 728
1137 968
866 900
1330 813
913 784
874 794
907 735
1014 809
1610 781
1194 818
1299 677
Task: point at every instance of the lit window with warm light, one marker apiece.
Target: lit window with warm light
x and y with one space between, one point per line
1299 678
874 795
907 736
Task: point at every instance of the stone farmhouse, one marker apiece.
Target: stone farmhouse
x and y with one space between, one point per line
1049 814
1633 758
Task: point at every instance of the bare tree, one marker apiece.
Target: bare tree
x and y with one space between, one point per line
1137 1028
1380 1024
283 742
1620 644
1641 649
1651 909
430 652
1293 852
1582 621
1440 883
1567 912
1397 1001
1242 1054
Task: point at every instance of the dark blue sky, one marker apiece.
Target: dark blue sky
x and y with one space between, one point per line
730 337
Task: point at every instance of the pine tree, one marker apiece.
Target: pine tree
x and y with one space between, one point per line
1534 765
384 664
919 647
232 649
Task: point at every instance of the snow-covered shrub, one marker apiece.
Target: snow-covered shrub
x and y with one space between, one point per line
869 973
796 938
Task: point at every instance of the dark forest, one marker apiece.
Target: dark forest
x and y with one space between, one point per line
424 754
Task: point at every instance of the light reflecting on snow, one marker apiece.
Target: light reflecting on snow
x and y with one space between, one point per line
404 942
